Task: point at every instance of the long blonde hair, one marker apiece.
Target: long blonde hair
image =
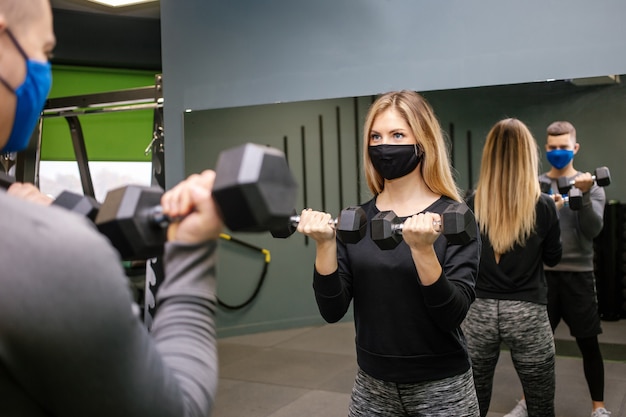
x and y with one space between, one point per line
508 188
427 131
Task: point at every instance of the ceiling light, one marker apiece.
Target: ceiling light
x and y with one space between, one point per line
601 80
121 3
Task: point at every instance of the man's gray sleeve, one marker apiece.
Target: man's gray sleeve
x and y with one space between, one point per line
184 329
72 343
591 215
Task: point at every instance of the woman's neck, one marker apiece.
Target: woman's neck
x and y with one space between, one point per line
406 196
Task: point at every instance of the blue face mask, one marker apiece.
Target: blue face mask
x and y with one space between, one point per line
559 158
31 97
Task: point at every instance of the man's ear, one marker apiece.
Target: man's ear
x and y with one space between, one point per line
576 147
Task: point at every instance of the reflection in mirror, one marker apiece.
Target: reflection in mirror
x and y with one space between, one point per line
322 140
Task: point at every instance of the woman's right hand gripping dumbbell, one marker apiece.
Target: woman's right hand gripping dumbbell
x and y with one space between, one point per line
318 226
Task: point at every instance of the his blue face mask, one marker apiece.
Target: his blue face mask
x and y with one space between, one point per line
31 97
559 158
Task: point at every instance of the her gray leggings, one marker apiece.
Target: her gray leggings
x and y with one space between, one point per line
525 328
454 396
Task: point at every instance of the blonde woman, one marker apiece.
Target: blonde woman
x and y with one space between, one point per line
408 301
520 232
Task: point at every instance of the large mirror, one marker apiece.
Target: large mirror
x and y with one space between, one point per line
322 141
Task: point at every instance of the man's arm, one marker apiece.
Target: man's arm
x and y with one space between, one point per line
591 215
72 338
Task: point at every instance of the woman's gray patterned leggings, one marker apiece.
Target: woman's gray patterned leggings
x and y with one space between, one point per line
525 328
454 396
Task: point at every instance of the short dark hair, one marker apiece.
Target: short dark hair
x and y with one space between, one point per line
562 128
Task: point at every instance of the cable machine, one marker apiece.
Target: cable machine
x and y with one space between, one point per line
70 108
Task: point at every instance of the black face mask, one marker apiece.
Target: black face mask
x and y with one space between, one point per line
395 161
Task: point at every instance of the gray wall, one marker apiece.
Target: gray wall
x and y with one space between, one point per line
228 61
305 131
220 54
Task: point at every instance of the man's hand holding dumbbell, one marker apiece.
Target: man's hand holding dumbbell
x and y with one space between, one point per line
191 202
576 187
77 203
28 191
584 182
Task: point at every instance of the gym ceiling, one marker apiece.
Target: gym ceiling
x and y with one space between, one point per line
93 35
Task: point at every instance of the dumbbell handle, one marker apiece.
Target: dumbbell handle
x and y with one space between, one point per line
156 216
573 182
397 228
601 177
350 226
295 221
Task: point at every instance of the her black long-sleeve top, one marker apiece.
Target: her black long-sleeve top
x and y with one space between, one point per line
405 331
519 275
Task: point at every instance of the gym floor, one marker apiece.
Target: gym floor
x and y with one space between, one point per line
308 372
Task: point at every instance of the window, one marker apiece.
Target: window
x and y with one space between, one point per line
58 176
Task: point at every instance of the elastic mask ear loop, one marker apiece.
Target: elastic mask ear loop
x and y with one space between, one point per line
6 84
17 45
21 51
421 165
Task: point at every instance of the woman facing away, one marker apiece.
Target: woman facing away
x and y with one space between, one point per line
408 301
520 232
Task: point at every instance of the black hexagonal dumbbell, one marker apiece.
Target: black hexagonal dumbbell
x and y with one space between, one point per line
6 180
254 191
601 176
574 198
76 203
457 224
546 185
350 225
